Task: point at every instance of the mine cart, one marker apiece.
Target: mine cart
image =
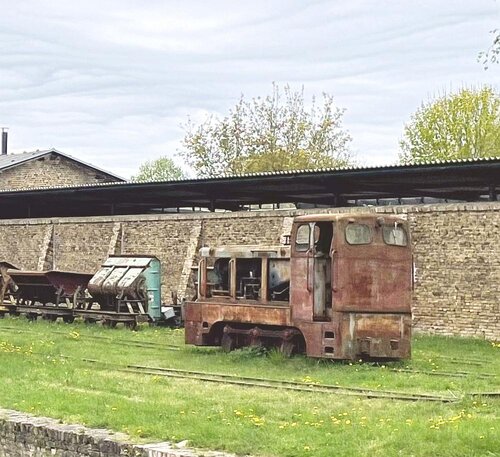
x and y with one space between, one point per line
125 289
50 294
341 290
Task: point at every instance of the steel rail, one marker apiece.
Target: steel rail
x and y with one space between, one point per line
283 384
132 343
267 383
171 347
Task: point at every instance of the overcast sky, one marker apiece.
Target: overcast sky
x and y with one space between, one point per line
110 82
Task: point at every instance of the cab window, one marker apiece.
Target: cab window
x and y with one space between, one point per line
358 234
394 235
302 238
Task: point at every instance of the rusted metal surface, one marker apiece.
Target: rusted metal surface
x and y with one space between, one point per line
120 276
48 286
125 290
348 280
120 287
7 286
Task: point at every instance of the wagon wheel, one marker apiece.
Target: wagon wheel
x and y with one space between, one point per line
2 315
109 323
90 320
68 319
132 325
31 317
228 343
50 317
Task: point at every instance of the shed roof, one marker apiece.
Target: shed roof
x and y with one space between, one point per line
462 180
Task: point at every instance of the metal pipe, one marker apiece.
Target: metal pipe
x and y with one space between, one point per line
5 136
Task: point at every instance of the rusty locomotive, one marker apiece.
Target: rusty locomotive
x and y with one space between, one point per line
341 289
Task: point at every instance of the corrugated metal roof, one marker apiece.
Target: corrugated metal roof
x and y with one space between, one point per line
354 168
456 180
12 160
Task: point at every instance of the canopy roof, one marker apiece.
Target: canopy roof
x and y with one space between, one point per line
467 180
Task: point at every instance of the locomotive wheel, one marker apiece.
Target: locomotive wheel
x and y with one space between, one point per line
69 319
288 348
89 320
228 343
31 317
292 346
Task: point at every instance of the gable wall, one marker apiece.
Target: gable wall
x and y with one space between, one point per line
50 170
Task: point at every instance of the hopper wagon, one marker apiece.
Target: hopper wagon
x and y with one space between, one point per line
126 289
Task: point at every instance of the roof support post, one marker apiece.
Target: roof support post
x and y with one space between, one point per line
493 193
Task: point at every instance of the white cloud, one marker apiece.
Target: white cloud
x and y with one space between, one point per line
110 82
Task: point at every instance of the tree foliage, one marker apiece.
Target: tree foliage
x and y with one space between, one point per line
458 126
161 169
492 54
274 133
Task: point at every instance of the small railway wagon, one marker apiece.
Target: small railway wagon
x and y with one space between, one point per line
340 289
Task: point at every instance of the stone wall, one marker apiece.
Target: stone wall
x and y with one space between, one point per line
24 435
456 252
50 170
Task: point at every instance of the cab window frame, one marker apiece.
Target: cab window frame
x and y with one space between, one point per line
385 237
350 241
302 247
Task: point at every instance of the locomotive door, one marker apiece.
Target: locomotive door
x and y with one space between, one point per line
321 264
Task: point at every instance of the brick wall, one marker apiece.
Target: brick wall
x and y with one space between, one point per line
456 250
49 170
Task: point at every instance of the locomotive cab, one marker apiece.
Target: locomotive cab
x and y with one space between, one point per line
352 277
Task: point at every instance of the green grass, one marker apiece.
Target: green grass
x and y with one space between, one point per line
36 378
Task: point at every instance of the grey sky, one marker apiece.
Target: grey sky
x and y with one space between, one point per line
110 82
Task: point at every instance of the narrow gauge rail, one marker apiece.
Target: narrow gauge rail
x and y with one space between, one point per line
121 342
172 347
267 383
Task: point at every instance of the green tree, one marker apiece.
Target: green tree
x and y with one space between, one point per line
492 54
274 133
161 169
457 126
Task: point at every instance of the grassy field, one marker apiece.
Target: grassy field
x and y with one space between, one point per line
37 376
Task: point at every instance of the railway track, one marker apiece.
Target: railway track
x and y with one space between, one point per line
172 347
120 342
267 383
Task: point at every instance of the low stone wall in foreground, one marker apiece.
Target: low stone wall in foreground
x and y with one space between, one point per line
24 435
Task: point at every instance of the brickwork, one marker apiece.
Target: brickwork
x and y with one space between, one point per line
20 244
457 260
169 240
24 435
456 249
47 171
81 246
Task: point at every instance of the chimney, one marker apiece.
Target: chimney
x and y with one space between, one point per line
4 140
